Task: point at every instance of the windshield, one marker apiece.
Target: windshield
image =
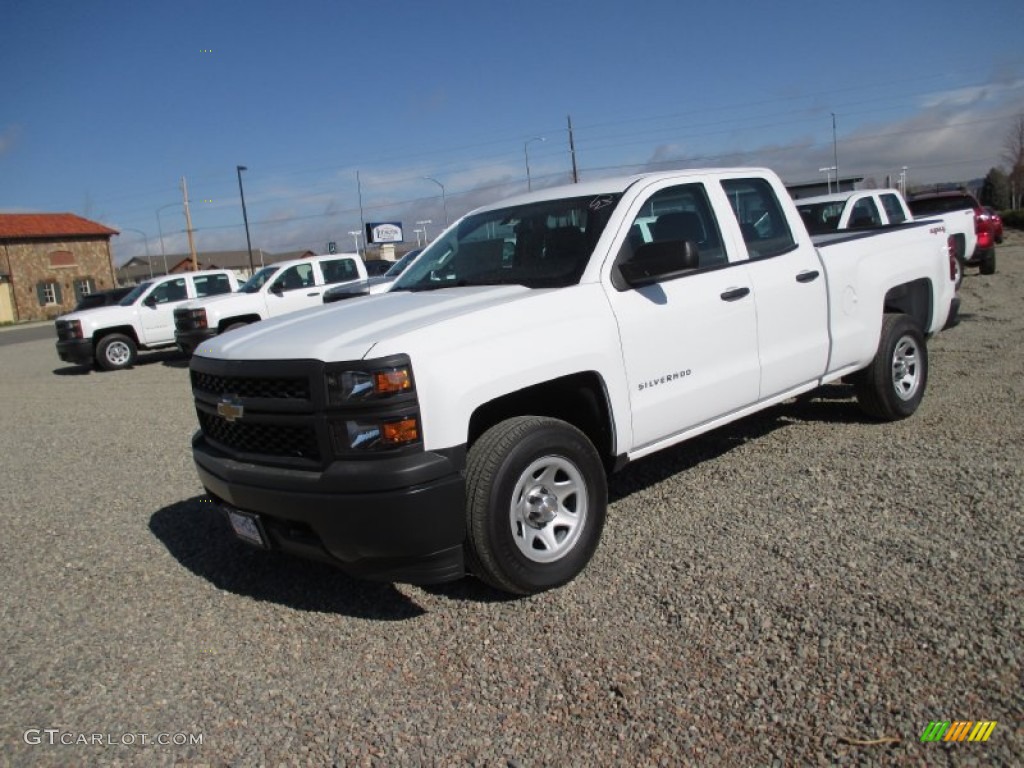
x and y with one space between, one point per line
135 292
257 281
821 218
539 245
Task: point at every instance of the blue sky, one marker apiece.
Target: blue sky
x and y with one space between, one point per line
107 104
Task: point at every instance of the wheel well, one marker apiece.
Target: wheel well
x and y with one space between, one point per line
579 399
127 330
227 323
913 299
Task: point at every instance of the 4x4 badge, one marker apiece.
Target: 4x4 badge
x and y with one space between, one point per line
230 408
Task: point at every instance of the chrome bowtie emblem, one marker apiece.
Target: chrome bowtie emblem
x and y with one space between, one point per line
229 408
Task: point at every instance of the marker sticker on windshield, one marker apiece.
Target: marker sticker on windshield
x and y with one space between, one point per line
603 201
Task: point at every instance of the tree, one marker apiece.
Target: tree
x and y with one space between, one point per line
995 191
1014 155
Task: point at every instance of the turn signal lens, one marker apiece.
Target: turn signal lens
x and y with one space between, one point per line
400 432
392 382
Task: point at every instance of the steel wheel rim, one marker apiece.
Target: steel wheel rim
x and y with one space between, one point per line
549 509
906 368
118 353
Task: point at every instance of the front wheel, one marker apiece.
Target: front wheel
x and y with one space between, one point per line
115 352
892 387
536 499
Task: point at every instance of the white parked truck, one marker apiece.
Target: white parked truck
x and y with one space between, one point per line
276 289
465 420
144 319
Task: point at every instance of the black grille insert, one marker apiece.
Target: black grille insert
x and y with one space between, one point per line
285 440
279 388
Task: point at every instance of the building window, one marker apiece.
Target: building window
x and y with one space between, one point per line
84 287
48 293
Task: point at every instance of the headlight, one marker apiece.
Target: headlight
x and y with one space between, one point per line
352 386
375 434
189 319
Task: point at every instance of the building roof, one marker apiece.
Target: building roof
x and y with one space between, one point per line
17 226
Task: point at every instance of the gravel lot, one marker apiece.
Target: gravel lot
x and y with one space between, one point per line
773 594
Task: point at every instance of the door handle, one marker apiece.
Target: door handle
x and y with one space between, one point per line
735 293
806 277
314 293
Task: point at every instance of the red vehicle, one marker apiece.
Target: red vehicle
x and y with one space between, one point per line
997 223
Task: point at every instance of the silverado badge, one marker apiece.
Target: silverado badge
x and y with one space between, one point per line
230 408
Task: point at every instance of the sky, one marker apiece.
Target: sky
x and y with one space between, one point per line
340 109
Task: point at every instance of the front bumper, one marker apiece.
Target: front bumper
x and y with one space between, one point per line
393 519
77 351
187 341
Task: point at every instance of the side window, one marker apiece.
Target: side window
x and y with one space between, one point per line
865 214
764 226
294 278
171 290
211 285
84 287
339 270
893 209
48 293
678 214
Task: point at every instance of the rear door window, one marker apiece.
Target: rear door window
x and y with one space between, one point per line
762 222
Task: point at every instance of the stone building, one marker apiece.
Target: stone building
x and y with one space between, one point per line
50 260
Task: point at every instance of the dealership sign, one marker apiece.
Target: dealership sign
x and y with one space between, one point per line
384 232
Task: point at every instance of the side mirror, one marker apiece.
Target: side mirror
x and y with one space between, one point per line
657 262
343 292
150 301
277 288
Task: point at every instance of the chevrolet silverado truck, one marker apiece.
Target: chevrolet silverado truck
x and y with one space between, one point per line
965 220
873 208
465 420
143 320
274 290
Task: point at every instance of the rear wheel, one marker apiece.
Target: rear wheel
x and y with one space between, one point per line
115 352
892 387
988 263
536 499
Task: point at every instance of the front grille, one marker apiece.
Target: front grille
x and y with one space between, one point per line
285 440
280 388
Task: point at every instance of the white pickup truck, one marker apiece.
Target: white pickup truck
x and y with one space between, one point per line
112 336
466 419
277 289
873 208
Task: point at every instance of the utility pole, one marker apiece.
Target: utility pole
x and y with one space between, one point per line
835 152
188 226
572 152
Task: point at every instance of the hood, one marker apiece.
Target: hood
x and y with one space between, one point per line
213 301
348 330
102 316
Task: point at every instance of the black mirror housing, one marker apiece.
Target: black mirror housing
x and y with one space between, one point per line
657 262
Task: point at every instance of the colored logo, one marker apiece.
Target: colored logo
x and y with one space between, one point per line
958 730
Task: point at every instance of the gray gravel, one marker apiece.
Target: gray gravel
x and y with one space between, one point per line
768 595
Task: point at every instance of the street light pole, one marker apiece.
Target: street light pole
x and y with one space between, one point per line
355 236
526 154
424 225
828 177
145 240
444 200
245 218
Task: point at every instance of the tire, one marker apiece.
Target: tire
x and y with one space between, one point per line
959 271
115 352
892 386
536 500
988 263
